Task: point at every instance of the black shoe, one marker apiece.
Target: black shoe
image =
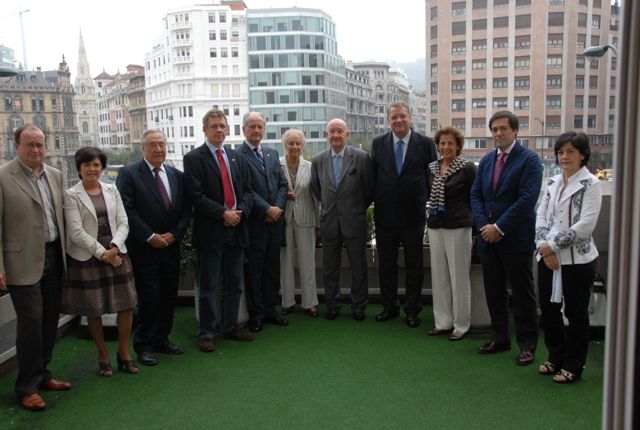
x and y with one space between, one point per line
255 326
386 315
287 311
412 320
358 315
493 346
331 313
147 358
276 320
169 348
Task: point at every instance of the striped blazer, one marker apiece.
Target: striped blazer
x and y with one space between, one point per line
305 208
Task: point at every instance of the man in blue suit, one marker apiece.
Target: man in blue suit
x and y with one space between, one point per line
218 185
503 199
266 224
159 213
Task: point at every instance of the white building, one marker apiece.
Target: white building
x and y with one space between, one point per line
86 104
199 63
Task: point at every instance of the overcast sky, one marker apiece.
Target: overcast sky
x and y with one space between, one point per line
119 32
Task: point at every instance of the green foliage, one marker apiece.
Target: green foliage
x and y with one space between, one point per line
124 157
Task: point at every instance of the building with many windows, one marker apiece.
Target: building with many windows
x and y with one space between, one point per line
296 77
199 63
524 56
361 118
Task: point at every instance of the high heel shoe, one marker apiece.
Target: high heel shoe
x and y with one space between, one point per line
127 366
105 369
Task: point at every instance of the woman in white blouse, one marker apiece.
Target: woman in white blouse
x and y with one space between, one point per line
566 218
300 216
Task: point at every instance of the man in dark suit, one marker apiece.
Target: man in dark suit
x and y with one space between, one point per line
266 224
32 249
400 161
154 198
218 185
503 198
342 180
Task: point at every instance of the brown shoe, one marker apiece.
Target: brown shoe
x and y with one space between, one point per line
525 357
206 345
239 335
32 402
56 385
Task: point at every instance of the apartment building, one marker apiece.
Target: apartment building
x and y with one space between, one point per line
524 56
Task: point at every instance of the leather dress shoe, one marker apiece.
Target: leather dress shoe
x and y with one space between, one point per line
32 402
331 313
255 326
358 315
287 310
493 346
206 345
239 335
526 357
412 320
169 348
56 385
147 358
312 312
276 320
386 315
438 331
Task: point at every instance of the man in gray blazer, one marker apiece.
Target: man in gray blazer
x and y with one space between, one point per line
342 180
32 260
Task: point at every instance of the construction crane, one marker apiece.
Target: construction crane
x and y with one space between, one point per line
24 43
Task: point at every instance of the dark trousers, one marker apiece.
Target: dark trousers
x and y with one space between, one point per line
502 269
332 261
263 273
388 239
567 345
37 309
157 273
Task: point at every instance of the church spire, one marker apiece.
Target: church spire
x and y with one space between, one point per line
83 75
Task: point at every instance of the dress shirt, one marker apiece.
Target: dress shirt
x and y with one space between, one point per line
41 186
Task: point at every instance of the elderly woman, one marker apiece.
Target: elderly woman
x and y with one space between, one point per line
99 271
566 218
449 225
300 227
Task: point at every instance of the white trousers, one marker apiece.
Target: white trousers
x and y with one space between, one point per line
300 248
450 251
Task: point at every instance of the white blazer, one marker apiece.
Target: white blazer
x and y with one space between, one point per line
82 221
305 208
566 224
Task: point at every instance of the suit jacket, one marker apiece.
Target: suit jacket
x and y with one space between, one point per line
512 204
343 208
269 187
82 222
21 222
304 209
145 207
401 200
204 188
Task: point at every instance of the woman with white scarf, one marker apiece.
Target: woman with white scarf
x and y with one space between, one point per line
449 225
566 218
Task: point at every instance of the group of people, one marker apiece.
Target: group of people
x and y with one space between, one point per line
256 216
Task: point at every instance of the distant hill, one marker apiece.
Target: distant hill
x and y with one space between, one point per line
416 71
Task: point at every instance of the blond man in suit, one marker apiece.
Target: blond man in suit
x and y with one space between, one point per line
32 260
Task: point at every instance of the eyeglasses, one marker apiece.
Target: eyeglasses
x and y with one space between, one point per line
36 146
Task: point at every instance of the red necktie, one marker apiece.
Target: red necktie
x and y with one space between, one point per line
229 198
162 189
498 169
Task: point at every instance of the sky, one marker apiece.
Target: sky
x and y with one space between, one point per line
118 32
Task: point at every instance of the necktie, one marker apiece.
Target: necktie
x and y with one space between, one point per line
229 198
259 155
337 167
162 189
498 169
399 155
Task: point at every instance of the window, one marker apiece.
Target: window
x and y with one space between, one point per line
593 102
458 8
500 42
595 40
434 51
213 53
458 86
458 48
434 70
223 54
500 3
458 105
578 122
594 63
479 143
458 67
555 40
223 34
500 102
612 102
479 103
523 42
223 17
499 63
478 122
479 64
591 121
579 61
552 121
582 20
500 82
522 63
579 102
595 21
434 13
434 88
479 84
593 82
523 21
501 22
554 81
459 27
479 24
434 31
582 41
479 44
234 51
554 102
556 19
212 17
521 103
554 61
579 81
212 35
434 106
613 83
458 123
524 125
479 4
523 3
522 83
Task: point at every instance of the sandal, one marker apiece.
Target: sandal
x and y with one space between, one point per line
105 369
565 377
127 366
547 368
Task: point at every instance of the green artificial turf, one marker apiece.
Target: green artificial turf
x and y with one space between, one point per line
315 374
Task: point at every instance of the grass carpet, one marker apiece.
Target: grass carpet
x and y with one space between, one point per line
315 374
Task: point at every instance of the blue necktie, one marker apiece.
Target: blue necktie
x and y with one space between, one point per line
259 155
337 167
399 154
